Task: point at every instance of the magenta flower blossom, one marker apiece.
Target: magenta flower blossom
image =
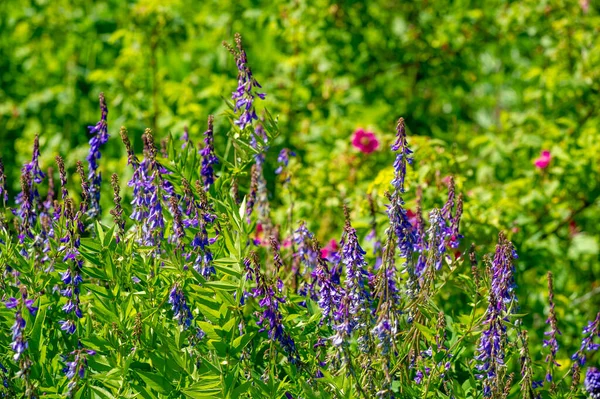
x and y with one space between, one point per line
544 160
365 142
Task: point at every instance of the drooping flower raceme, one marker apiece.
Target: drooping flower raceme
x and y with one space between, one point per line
100 136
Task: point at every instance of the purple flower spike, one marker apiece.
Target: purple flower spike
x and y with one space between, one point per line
490 353
181 310
19 341
100 136
399 222
75 368
243 97
592 383
591 331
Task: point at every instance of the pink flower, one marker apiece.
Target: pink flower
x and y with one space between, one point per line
544 160
331 248
365 142
259 238
412 217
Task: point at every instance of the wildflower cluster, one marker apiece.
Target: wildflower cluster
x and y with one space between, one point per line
192 289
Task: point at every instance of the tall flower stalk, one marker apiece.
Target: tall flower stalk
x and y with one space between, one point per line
245 93
399 223
491 350
100 137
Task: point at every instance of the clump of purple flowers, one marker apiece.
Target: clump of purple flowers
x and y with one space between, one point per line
179 306
354 310
388 296
329 293
198 215
490 354
592 383
100 136
75 368
270 319
150 189
243 97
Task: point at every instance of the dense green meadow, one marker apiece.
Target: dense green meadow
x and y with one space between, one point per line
291 199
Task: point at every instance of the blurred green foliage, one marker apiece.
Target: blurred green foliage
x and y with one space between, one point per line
483 89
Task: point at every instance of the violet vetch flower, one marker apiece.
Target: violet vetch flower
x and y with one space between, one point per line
388 296
243 97
305 252
284 159
71 278
185 138
100 136
353 311
270 319
403 156
198 215
591 331
181 310
357 276
592 383
490 353
451 222
150 189
19 342
209 159
75 367
329 294
399 222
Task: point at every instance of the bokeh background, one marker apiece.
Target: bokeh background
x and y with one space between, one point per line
484 90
